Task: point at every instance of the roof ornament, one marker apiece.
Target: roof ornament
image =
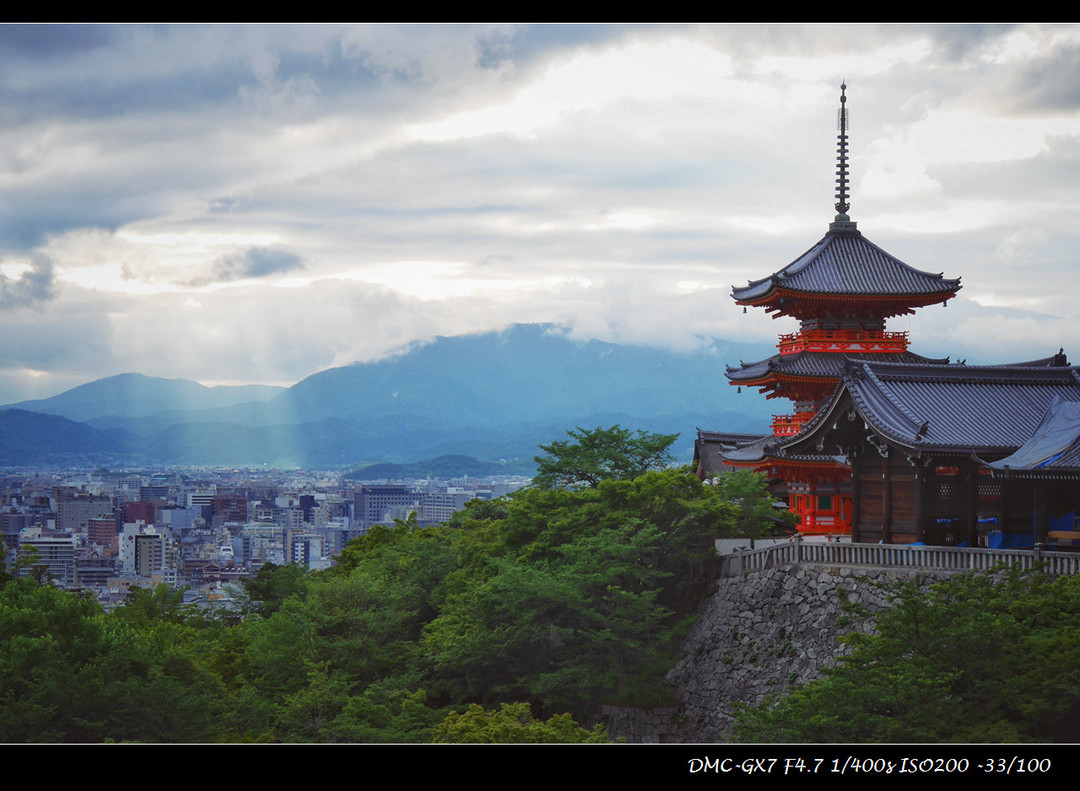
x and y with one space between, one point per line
843 221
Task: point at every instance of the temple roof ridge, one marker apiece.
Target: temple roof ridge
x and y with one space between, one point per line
961 408
821 363
1047 369
844 263
847 263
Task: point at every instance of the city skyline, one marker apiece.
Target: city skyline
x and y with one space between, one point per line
243 204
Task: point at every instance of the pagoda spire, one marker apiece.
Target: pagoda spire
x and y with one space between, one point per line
842 222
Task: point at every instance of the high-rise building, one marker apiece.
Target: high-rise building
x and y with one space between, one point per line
142 549
74 509
55 550
373 502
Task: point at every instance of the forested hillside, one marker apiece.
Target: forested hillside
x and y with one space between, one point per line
511 622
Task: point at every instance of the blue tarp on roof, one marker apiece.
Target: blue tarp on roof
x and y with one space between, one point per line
1054 442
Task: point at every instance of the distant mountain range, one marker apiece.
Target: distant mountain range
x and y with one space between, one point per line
492 396
135 395
448 466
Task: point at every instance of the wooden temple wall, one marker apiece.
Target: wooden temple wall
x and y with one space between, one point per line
946 504
887 506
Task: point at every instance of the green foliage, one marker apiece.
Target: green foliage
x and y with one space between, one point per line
513 723
550 600
273 584
552 597
71 673
161 603
977 658
757 513
575 595
29 560
386 713
354 631
601 454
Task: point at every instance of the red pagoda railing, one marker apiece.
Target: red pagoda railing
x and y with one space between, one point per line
824 524
875 341
789 425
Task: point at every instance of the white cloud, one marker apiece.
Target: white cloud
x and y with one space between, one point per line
387 183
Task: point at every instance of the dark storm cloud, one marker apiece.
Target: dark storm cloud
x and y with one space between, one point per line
33 286
29 217
53 40
92 71
253 263
541 42
89 81
25 225
1046 84
957 42
122 108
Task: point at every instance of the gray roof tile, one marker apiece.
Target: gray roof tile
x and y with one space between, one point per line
815 364
957 408
845 262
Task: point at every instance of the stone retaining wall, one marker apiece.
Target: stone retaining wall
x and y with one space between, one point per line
755 635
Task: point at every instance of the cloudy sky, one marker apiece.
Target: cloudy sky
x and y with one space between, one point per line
238 204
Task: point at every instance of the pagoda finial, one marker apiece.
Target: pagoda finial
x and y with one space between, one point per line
842 221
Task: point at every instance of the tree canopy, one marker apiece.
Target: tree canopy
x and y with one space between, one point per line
757 513
976 658
513 723
510 621
71 673
601 454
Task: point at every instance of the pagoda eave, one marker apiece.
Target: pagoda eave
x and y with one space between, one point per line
802 305
807 471
804 471
792 388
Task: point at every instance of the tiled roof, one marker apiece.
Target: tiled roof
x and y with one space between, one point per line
750 451
816 364
845 262
727 437
931 405
712 447
769 448
980 409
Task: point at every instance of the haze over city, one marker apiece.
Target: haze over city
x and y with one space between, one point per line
254 203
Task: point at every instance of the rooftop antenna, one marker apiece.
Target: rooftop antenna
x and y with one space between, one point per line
843 221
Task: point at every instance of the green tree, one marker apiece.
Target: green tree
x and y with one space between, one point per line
160 603
313 665
757 513
574 596
71 673
386 712
273 584
601 454
513 723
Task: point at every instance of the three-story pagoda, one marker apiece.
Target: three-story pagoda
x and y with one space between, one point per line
841 291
